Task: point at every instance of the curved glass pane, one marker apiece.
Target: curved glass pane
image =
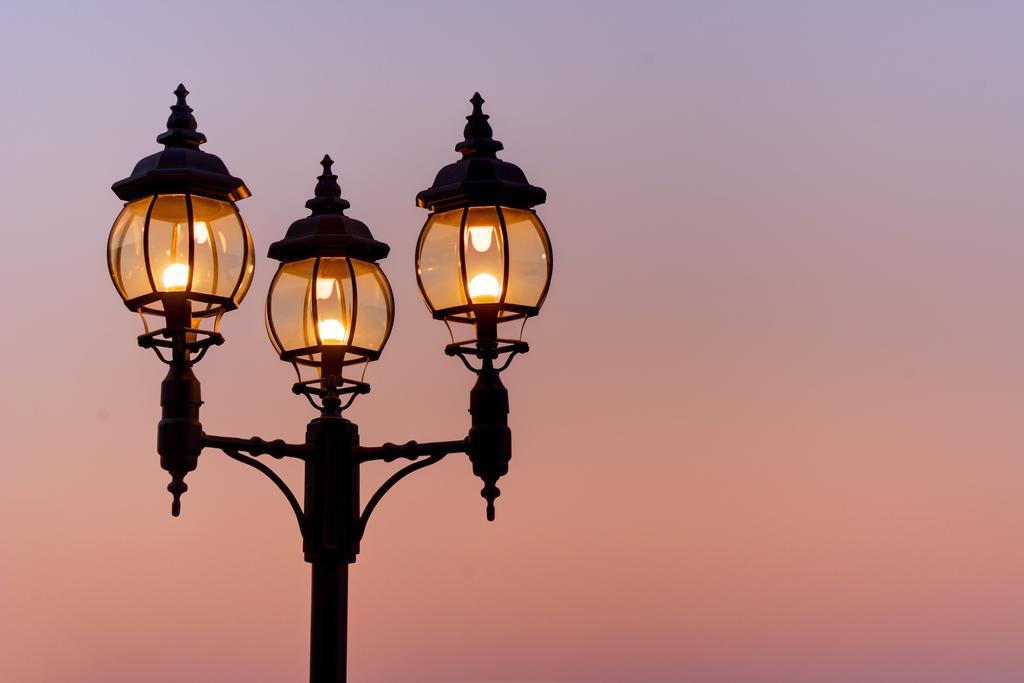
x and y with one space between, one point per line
374 306
529 257
250 265
485 255
125 253
221 247
333 294
167 234
437 261
289 313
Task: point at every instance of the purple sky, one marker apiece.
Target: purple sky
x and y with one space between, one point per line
769 429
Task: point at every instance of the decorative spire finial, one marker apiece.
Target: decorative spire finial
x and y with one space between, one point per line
477 133
181 113
181 125
327 197
490 492
176 488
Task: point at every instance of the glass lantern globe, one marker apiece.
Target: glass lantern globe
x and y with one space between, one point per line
483 258
339 306
171 247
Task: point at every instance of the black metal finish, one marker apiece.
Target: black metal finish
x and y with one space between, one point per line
272 476
328 624
410 450
256 446
181 167
329 518
387 486
332 491
328 231
179 435
480 178
490 439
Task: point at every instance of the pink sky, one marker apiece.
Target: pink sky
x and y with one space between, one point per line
769 430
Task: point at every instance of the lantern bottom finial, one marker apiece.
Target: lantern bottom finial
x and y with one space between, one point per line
176 487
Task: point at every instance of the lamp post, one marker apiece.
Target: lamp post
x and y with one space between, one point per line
181 256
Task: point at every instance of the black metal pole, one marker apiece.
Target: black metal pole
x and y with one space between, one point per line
328 644
330 536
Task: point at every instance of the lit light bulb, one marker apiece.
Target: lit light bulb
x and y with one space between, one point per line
484 289
480 237
175 277
331 331
202 232
324 287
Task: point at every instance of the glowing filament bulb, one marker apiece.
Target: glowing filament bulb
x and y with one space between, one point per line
175 277
331 331
324 287
484 289
480 237
202 232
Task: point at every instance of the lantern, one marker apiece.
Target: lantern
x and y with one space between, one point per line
330 305
179 249
483 256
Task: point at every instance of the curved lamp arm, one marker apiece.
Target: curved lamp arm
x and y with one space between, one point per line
300 516
257 446
410 450
387 485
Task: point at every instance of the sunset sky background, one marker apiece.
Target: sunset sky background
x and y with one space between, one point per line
770 429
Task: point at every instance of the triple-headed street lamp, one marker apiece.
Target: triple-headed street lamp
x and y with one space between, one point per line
181 256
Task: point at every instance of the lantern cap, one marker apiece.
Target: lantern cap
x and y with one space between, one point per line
480 177
181 167
327 231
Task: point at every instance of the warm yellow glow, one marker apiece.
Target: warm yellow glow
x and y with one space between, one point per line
480 237
324 287
484 289
202 232
175 277
331 331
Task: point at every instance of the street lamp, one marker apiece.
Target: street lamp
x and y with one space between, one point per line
179 251
330 305
484 258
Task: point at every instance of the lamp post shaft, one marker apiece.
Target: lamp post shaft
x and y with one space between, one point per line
330 541
328 644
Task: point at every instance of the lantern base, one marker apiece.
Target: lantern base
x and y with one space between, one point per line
330 390
181 340
487 351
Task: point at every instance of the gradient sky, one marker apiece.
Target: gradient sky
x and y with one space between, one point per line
770 429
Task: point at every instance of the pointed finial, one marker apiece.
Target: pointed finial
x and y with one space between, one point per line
327 197
477 118
477 133
176 488
181 125
489 493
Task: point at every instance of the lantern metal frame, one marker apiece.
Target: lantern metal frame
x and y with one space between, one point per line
330 519
460 313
